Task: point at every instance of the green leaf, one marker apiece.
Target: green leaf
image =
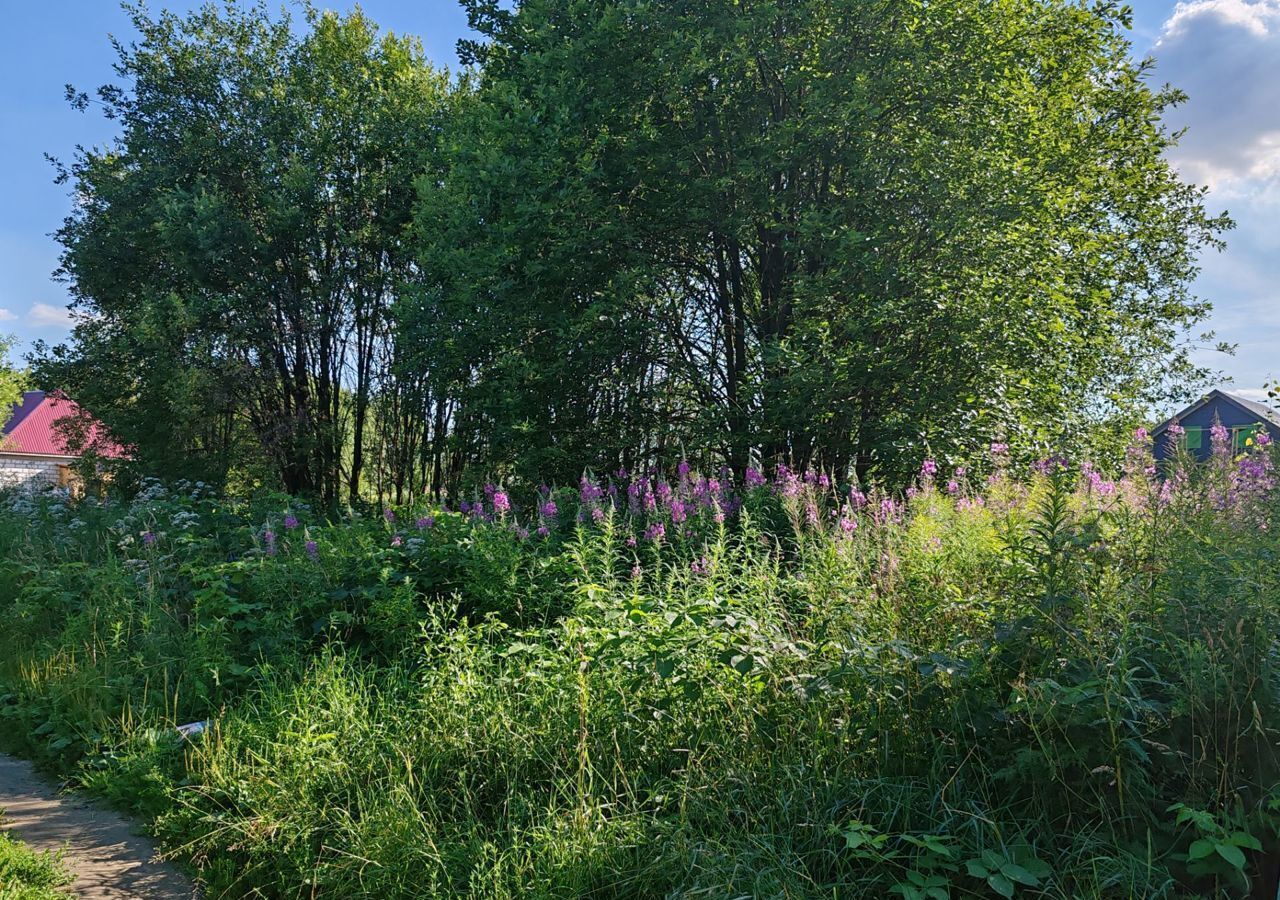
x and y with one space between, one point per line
1019 874
1232 854
1001 885
1200 849
1244 839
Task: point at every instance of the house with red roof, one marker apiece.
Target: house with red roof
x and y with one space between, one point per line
34 447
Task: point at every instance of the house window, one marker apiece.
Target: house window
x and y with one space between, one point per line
1242 438
1194 438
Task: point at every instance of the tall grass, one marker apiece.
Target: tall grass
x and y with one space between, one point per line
1052 685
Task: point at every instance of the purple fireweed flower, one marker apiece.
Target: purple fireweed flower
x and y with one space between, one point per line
522 533
1262 438
655 532
857 498
999 448
789 484
631 540
543 531
1218 435
912 492
313 549
269 538
549 510
290 522
960 471
888 509
811 512
397 541
700 566
465 506
929 468
597 515
953 487
149 538
848 524
501 503
683 468
425 522
1049 464
678 512
753 478
636 573
588 490
389 515
1141 434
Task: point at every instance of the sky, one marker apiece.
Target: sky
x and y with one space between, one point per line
1224 53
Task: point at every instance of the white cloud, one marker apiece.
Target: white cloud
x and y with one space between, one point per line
6 316
43 314
1258 395
1226 55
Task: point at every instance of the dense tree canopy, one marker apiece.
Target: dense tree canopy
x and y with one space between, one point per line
236 249
843 233
830 231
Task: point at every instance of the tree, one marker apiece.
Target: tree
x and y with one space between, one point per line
12 380
836 232
235 251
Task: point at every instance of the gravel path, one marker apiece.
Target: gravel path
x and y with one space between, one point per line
110 861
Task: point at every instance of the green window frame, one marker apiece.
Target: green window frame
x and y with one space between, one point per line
1193 439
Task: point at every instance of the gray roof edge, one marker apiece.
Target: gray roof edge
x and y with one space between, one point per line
1266 413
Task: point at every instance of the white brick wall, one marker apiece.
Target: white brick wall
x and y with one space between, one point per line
28 471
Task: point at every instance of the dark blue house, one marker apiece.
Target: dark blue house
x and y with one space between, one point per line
1242 418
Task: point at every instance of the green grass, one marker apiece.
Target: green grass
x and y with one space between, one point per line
28 875
1039 687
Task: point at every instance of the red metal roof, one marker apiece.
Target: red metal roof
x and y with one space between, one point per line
32 428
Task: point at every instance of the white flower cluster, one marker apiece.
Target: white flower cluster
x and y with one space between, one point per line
185 519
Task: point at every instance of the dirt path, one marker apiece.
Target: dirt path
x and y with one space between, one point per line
110 861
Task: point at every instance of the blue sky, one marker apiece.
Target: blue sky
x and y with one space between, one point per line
1224 53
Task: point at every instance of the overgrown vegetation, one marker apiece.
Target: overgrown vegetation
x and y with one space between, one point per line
28 875
1002 684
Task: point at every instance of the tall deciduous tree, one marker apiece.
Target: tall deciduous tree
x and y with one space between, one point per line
237 248
835 231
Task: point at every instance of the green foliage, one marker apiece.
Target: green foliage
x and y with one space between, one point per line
1059 686
835 231
11 379
839 233
27 875
236 247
